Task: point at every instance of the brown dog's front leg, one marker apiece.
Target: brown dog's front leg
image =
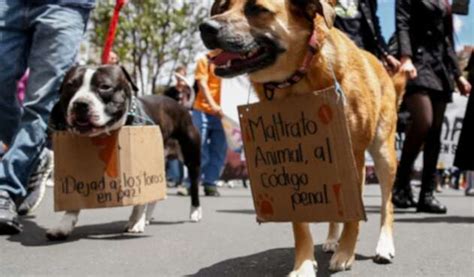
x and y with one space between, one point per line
304 251
344 255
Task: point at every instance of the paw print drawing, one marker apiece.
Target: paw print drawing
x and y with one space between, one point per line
265 204
325 114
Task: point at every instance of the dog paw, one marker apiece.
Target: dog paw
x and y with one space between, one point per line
385 251
341 261
57 234
136 226
307 269
148 221
196 214
330 246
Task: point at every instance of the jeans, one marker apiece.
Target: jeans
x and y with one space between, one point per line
45 39
213 146
174 171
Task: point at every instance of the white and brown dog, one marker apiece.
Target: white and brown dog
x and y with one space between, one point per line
97 100
271 40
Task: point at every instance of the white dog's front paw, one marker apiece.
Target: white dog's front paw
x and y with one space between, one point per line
385 251
196 214
307 269
136 226
65 227
58 233
330 246
341 260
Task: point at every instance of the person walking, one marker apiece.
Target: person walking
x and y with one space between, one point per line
44 36
464 159
207 115
425 37
359 20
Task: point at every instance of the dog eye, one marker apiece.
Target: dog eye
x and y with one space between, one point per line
219 7
255 10
105 87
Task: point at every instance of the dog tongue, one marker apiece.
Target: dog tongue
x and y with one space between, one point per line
224 57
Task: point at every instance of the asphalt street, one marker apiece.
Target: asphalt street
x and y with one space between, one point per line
229 242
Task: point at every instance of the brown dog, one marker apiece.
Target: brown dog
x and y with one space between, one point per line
269 41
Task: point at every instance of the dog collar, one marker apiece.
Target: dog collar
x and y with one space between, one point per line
313 47
137 115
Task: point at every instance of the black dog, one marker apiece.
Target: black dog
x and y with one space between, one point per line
97 100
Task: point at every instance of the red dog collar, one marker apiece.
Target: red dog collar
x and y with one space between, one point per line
314 46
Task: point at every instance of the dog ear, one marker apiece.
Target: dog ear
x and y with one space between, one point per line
57 119
130 81
67 76
310 8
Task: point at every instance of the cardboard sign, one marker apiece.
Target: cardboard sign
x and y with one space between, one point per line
125 168
300 159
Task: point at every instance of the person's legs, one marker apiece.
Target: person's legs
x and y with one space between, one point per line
469 183
421 114
14 46
174 172
13 50
200 120
57 34
217 153
427 202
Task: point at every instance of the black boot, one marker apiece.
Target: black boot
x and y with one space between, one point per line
429 204
402 196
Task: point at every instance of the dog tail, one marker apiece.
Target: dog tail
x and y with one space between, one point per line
399 80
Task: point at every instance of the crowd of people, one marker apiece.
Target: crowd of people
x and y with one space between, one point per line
423 48
44 37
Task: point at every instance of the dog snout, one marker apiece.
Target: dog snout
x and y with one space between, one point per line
209 33
81 108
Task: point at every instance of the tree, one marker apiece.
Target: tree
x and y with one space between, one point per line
153 37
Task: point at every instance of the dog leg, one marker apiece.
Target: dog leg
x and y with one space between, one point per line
65 226
343 258
385 166
332 240
137 220
195 214
190 147
150 208
305 263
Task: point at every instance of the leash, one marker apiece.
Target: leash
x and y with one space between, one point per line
135 116
112 30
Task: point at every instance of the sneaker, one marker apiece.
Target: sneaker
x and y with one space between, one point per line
9 223
211 191
182 190
37 183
